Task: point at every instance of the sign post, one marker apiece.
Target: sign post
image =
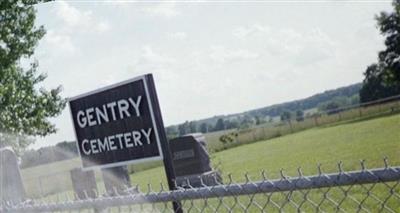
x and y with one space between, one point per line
122 124
168 163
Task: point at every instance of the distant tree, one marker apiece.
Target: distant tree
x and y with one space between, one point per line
332 107
181 129
257 119
355 99
171 131
192 126
184 128
210 127
69 147
299 115
203 127
383 79
227 124
220 125
246 121
25 108
286 115
232 124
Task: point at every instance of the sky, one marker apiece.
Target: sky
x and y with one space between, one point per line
208 58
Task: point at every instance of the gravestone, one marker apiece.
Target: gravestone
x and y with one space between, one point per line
83 183
11 185
116 180
191 161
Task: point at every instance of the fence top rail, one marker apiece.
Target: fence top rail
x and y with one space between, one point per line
264 185
354 106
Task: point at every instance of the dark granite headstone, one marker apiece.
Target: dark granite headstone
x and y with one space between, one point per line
192 161
116 180
11 185
84 183
190 155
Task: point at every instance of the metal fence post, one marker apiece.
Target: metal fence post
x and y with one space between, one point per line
41 187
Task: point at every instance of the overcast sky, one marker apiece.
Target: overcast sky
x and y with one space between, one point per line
207 58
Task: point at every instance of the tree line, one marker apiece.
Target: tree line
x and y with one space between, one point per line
327 100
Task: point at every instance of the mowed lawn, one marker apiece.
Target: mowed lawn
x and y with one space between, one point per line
370 140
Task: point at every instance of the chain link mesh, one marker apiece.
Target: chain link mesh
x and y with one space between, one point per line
365 190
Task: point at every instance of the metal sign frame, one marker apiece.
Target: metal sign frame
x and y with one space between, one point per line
151 103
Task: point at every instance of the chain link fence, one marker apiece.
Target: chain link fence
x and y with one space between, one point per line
364 190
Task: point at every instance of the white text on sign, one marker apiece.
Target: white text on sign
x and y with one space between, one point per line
111 111
118 141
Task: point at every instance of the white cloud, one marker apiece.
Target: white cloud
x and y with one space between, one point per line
70 15
164 9
244 31
222 54
177 35
307 48
297 47
118 3
102 26
61 43
148 55
75 19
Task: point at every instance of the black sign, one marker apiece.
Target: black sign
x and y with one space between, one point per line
116 125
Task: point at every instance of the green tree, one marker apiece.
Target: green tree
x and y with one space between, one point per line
270 119
355 99
203 127
389 26
231 124
299 115
286 115
24 107
246 121
193 126
383 79
171 131
220 125
330 107
375 86
184 128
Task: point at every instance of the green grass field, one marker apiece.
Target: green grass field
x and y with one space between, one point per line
350 142
369 139
366 139
275 129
